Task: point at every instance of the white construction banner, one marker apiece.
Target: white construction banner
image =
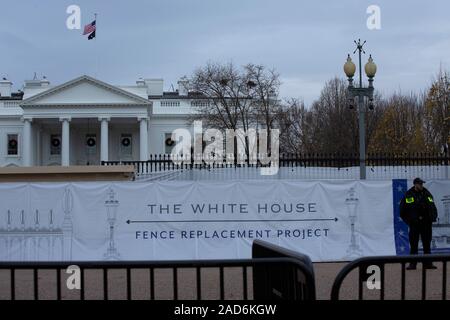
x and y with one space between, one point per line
329 220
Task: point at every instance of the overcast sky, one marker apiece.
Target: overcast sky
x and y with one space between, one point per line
306 41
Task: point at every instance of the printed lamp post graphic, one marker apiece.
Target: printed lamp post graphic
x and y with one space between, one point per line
446 204
67 225
111 205
352 202
441 229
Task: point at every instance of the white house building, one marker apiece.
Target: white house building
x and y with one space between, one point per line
86 121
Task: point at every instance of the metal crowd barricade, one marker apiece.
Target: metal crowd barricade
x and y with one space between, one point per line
282 281
362 265
265 268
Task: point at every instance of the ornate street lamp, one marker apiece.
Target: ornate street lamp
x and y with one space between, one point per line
111 205
360 92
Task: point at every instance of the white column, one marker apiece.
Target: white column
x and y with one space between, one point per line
26 148
143 138
65 148
104 138
39 147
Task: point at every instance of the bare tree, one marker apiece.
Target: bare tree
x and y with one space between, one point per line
242 99
222 87
329 125
334 126
400 128
248 97
264 85
437 111
294 121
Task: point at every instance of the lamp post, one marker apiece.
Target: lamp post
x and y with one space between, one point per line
360 92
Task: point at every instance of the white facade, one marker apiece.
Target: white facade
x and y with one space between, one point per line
86 121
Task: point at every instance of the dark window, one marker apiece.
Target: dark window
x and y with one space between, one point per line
55 144
13 144
126 143
91 143
168 143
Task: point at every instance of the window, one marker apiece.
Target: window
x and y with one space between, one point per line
168 143
199 103
13 144
55 144
91 143
126 143
170 103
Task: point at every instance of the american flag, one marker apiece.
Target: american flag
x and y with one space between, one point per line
89 28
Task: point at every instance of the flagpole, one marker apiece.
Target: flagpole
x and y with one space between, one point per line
98 55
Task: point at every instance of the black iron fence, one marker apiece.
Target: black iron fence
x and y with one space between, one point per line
271 273
377 277
315 165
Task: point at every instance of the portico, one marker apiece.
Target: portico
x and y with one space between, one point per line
84 121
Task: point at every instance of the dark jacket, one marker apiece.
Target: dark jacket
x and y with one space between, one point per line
418 206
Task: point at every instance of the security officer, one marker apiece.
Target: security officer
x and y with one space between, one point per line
418 211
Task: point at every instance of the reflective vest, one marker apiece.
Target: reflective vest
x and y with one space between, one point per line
411 199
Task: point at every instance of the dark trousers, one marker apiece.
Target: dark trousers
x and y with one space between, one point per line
422 230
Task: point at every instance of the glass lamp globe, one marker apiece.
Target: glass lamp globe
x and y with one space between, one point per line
370 68
349 67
